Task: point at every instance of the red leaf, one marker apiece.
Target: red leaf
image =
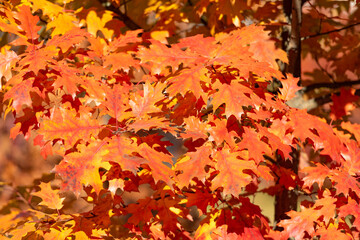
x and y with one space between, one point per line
145 206
344 103
351 208
201 199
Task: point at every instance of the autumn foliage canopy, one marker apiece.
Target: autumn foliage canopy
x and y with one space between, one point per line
111 86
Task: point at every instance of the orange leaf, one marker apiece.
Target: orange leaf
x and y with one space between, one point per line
189 80
159 56
70 38
65 124
82 168
255 147
231 171
36 59
69 77
130 37
194 128
352 208
28 23
158 162
120 61
193 165
289 87
20 94
219 133
120 150
234 95
300 222
144 102
353 128
117 100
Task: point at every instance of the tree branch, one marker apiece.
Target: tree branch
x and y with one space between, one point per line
330 85
123 17
328 32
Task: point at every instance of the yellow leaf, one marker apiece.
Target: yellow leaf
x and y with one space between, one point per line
18 233
160 36
62 24
55 234
50 197
8 221
48 8
205 230
95 23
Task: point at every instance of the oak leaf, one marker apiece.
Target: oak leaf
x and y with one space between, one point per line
95 24
144 102
66 124
351 208
344 103
190 79
7 61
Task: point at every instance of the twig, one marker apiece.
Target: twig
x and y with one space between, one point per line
25 201
123 17
328 32
323 69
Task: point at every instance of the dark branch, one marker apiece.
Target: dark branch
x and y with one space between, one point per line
328 32
331 85
123 17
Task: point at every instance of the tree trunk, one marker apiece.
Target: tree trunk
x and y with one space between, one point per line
286 200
